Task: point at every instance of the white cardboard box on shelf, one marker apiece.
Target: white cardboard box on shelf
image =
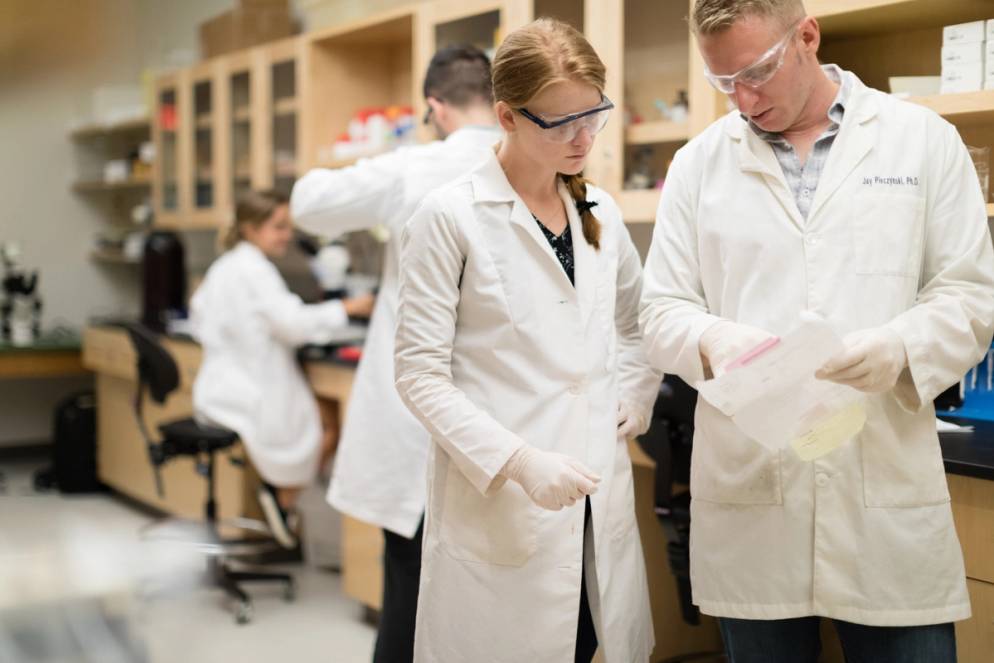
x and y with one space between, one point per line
963 53
964 33
962 78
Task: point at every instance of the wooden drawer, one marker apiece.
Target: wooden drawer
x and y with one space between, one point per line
188 356
109 351
975 637
973 510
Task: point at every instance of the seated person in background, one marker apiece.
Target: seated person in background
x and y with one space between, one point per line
250 325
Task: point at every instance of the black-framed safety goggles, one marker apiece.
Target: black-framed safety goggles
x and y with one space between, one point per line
564 129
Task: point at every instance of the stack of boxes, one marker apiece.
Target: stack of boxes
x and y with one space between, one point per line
968 57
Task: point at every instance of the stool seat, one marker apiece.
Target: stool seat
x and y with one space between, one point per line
188 436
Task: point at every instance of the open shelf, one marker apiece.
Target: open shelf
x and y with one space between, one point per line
100 185
647 133
113 257
286 106
133 125
639 205
366 64
965 108
862 17
204 121
242 114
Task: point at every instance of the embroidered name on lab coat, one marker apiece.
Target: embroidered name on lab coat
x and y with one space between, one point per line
890 181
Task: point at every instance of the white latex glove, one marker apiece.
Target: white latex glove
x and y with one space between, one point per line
629 423
725 341
552 480
872 361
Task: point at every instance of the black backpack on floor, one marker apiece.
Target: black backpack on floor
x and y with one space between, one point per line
74 444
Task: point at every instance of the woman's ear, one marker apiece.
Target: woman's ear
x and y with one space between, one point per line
505 116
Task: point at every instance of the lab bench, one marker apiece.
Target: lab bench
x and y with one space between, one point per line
54 354
123 465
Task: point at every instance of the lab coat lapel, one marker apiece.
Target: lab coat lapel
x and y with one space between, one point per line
756 156
490 185
856 139
584 258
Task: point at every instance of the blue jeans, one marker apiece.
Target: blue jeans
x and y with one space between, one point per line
799 641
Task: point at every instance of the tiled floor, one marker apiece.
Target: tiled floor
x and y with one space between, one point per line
77 560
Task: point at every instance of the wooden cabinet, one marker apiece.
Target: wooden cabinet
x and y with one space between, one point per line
122 460
975 637
170 186
223 127
973 511
369 63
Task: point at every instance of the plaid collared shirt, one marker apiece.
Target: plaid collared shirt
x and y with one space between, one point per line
803 178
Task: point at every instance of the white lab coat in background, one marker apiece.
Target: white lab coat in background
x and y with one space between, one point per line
250 325
380 464
897 236
496 348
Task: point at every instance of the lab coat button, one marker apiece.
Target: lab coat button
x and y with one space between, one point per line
576 389
812 239
821 479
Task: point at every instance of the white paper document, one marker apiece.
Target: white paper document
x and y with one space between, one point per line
772 395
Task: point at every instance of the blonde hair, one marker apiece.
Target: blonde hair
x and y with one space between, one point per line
534 57
253 208
713 16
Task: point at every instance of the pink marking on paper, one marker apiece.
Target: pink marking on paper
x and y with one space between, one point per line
754 354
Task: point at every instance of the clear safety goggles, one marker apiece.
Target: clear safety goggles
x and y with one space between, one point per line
759 72
564 128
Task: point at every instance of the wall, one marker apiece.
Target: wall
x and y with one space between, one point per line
52 55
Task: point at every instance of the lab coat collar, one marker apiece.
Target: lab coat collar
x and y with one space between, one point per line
474 134
856 138
490 185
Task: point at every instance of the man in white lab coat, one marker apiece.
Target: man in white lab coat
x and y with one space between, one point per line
381 464
818 193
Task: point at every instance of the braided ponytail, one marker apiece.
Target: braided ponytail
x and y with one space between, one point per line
577 186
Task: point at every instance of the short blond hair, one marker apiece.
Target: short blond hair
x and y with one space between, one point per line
712 16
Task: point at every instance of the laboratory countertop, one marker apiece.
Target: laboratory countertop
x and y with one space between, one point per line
308 353
58 340
969 454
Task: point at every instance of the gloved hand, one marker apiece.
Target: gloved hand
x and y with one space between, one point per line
872 361
629 423
552 480
725 341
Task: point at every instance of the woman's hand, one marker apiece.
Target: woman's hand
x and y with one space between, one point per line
359 307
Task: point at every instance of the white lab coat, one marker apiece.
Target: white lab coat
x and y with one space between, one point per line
381 461
496 348
897 236
249 325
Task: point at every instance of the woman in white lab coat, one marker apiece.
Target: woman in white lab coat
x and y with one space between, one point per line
518 349
249 325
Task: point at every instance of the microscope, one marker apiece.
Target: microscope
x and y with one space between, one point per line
20 307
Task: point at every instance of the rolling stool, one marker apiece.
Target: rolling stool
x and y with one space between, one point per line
159 374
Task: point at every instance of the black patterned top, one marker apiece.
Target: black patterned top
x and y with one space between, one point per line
562 246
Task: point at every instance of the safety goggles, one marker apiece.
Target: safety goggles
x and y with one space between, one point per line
759 72
564 128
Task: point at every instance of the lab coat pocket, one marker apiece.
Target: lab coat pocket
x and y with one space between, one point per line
499 529
727 467
887 234
901 456
621 502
